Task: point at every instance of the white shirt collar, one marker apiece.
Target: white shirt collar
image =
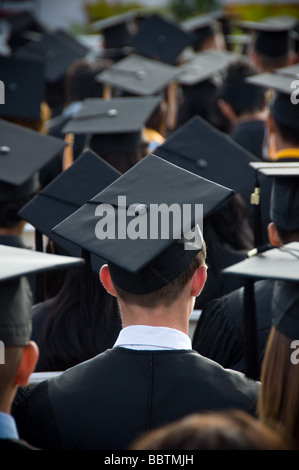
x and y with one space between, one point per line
8 428
152 338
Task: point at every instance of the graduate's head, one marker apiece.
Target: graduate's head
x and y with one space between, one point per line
150 233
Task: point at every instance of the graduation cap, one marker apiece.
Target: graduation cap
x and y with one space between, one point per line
200 148
284 203
23 152
271 34
283 105
15 294
280 263
86 177
205 65
201 28
56 49
160 39
117 29
143 262
24 87
24 27
139 75
116 124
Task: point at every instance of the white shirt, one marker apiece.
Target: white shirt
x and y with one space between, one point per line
8 428
152 338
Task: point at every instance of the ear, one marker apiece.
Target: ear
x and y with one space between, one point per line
106 280
27 364
198 281
226 110
273 236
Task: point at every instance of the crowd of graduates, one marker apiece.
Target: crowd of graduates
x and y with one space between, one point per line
163 113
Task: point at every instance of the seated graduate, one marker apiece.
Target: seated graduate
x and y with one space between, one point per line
155 281
18 354
66 330
245 107
220 333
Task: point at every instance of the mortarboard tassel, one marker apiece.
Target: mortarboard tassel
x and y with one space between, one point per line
255 200
39 278
68 154
86 290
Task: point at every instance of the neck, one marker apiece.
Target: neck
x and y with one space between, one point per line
174 316
282 144
15 230
247 117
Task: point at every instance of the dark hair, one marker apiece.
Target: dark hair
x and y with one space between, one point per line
65 339
289 133
80 81
9 211
243 97
168 294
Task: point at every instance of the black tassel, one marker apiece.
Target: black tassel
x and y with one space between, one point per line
86 290
40 282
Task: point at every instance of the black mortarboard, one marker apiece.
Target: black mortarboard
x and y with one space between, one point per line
199 147
15 294
86 177
200 28
142 264
117 29
204 65
116 123
139 75
282 107
23 152
57 52
160 39
23 28
271 34
280 263
284 203
24 87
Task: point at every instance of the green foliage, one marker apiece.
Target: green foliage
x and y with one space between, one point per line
183 9
103 9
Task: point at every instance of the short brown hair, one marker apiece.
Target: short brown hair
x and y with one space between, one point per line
166 295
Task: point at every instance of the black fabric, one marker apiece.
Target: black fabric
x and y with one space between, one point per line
219 334
251 135
144 388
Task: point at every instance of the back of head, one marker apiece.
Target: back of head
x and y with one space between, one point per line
228 430
242 96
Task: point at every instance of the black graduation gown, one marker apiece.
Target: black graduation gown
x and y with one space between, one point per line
106 402
219 334
250 135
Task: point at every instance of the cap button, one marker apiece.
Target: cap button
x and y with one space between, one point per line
4 150
161 39
141 74
140 209
202 163
112 112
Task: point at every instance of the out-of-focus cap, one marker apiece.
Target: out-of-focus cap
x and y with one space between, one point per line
272 34
23 152
199 147
280 263
117 29
284 204
24 87
86 177
106 119
139 75
284 104
204 65
145 263
160 39
57 52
